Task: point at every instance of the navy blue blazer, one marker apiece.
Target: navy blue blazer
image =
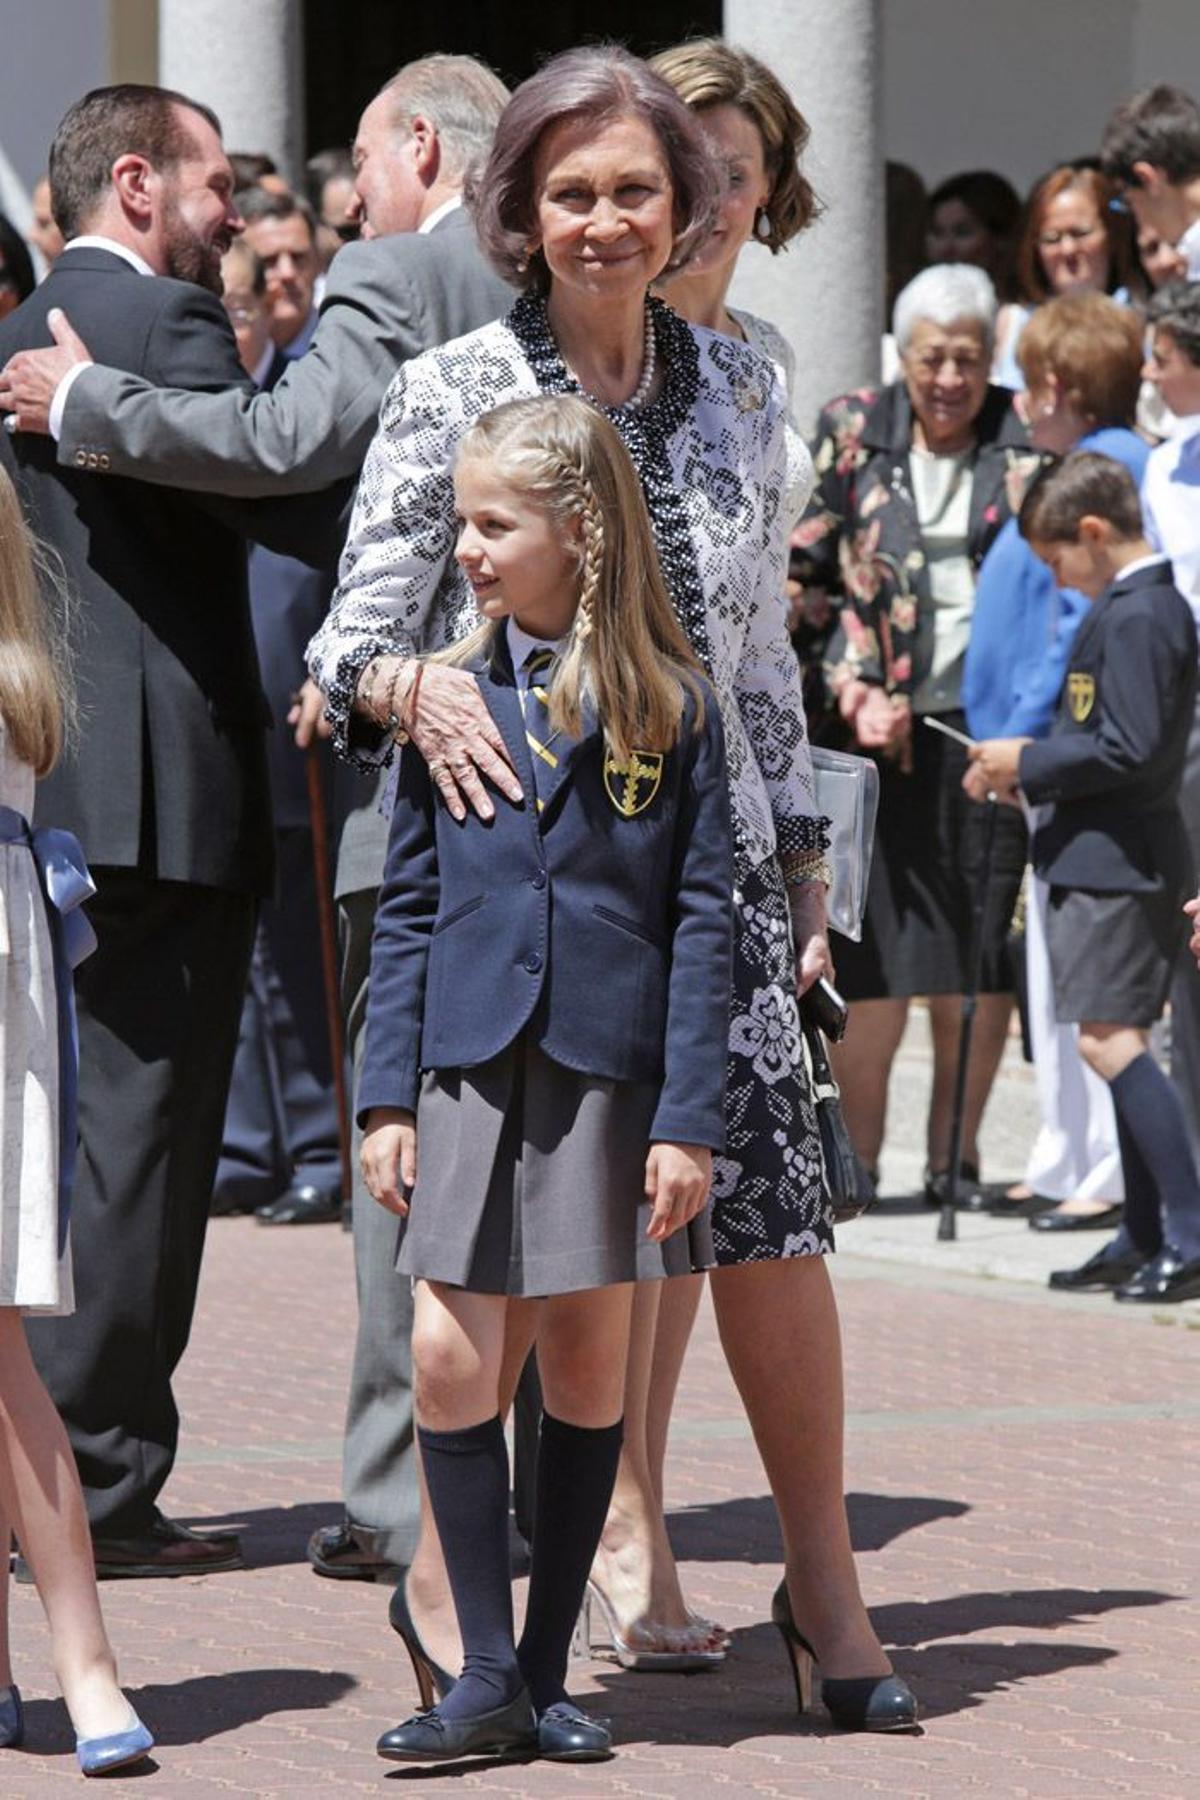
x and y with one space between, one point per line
1113 763
608 937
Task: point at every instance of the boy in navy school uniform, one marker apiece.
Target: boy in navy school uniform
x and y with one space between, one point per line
1114 850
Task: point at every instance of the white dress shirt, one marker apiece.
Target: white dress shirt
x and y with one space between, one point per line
1189 246
519 646
1171 505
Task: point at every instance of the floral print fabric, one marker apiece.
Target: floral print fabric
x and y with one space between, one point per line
860 539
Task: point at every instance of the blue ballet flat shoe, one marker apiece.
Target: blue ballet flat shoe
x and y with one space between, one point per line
100 1755
12 1718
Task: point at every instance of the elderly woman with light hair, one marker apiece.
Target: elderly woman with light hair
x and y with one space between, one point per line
914 482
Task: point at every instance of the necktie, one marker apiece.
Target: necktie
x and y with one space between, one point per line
539 666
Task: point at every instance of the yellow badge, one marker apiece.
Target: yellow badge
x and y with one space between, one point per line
632 785
1081 695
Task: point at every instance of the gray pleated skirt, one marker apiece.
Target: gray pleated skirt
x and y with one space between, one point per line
530 1182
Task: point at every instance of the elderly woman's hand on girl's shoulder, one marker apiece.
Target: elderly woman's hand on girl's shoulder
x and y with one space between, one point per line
389 1157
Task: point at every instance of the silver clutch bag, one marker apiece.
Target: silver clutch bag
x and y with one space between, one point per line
847 792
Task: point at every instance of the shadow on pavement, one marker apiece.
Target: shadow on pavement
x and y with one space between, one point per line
752 1695
204 1706
746 1529
274 1535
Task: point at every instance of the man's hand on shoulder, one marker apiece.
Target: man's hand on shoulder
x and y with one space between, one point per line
30 379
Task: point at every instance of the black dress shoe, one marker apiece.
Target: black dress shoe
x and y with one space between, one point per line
302 1205
1106 1220
1107 1269
972 1197
1166 1277
333 1550
427 1737
853 1702
432 1679
166 1548
565 1734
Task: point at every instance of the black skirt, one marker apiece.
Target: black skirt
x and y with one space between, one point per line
929 845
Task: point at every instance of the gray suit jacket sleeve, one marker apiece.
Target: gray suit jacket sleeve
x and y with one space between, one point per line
313 427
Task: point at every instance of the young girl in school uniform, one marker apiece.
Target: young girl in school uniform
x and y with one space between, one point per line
545 1050
42 881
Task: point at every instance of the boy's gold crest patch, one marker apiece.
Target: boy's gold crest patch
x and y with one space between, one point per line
1081 695
632 785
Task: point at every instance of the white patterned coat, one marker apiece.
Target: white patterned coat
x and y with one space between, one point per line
712 456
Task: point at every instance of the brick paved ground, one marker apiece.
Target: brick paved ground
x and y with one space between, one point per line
1024 1497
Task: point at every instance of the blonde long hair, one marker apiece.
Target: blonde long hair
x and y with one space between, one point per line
627 650
34 677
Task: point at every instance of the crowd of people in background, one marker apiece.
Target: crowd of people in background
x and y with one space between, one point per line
485 365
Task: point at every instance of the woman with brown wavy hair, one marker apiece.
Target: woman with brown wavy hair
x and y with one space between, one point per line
1073 240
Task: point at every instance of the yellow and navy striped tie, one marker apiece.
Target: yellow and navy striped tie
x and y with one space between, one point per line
539 666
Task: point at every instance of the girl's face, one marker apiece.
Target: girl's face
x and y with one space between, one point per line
955 235
738 148
1160 259
1073 244
605 207
1173 373
516 557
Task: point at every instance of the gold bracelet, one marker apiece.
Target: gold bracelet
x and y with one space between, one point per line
801 866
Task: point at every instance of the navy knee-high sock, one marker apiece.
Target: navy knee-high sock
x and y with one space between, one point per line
576 1469
1141 1221
467 1476
1150 1109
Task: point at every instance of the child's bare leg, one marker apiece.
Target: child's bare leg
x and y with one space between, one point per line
6 1673
40 1495
634 1566
582 1345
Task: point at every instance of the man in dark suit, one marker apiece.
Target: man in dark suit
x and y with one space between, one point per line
415 281
166 787
280 1155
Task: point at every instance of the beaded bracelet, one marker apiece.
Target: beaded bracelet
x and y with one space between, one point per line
800 866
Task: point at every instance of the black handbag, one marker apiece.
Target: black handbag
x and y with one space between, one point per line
847 1183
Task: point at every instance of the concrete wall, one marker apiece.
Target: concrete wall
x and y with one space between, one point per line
1018 85
53 51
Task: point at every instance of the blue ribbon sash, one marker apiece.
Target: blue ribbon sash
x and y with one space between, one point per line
65 883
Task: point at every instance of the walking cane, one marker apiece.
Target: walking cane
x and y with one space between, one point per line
947 1223
329 961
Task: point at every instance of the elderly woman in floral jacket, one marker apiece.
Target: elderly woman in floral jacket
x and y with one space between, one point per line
914 483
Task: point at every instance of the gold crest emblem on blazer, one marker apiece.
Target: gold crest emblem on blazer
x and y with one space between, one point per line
1081 695
632 785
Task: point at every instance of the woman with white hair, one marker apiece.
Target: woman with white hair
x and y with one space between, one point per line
914 482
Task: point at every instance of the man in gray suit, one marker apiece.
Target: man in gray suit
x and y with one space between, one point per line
415 280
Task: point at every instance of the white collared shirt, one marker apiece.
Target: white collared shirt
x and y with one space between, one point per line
1139 563
1171 505
94 241
520 644
438 214
88 241
1189 246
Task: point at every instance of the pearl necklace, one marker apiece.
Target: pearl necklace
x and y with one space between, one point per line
641 392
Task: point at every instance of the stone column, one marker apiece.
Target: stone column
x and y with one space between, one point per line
825 293
245 61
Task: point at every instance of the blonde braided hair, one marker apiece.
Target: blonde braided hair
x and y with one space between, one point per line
627 650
